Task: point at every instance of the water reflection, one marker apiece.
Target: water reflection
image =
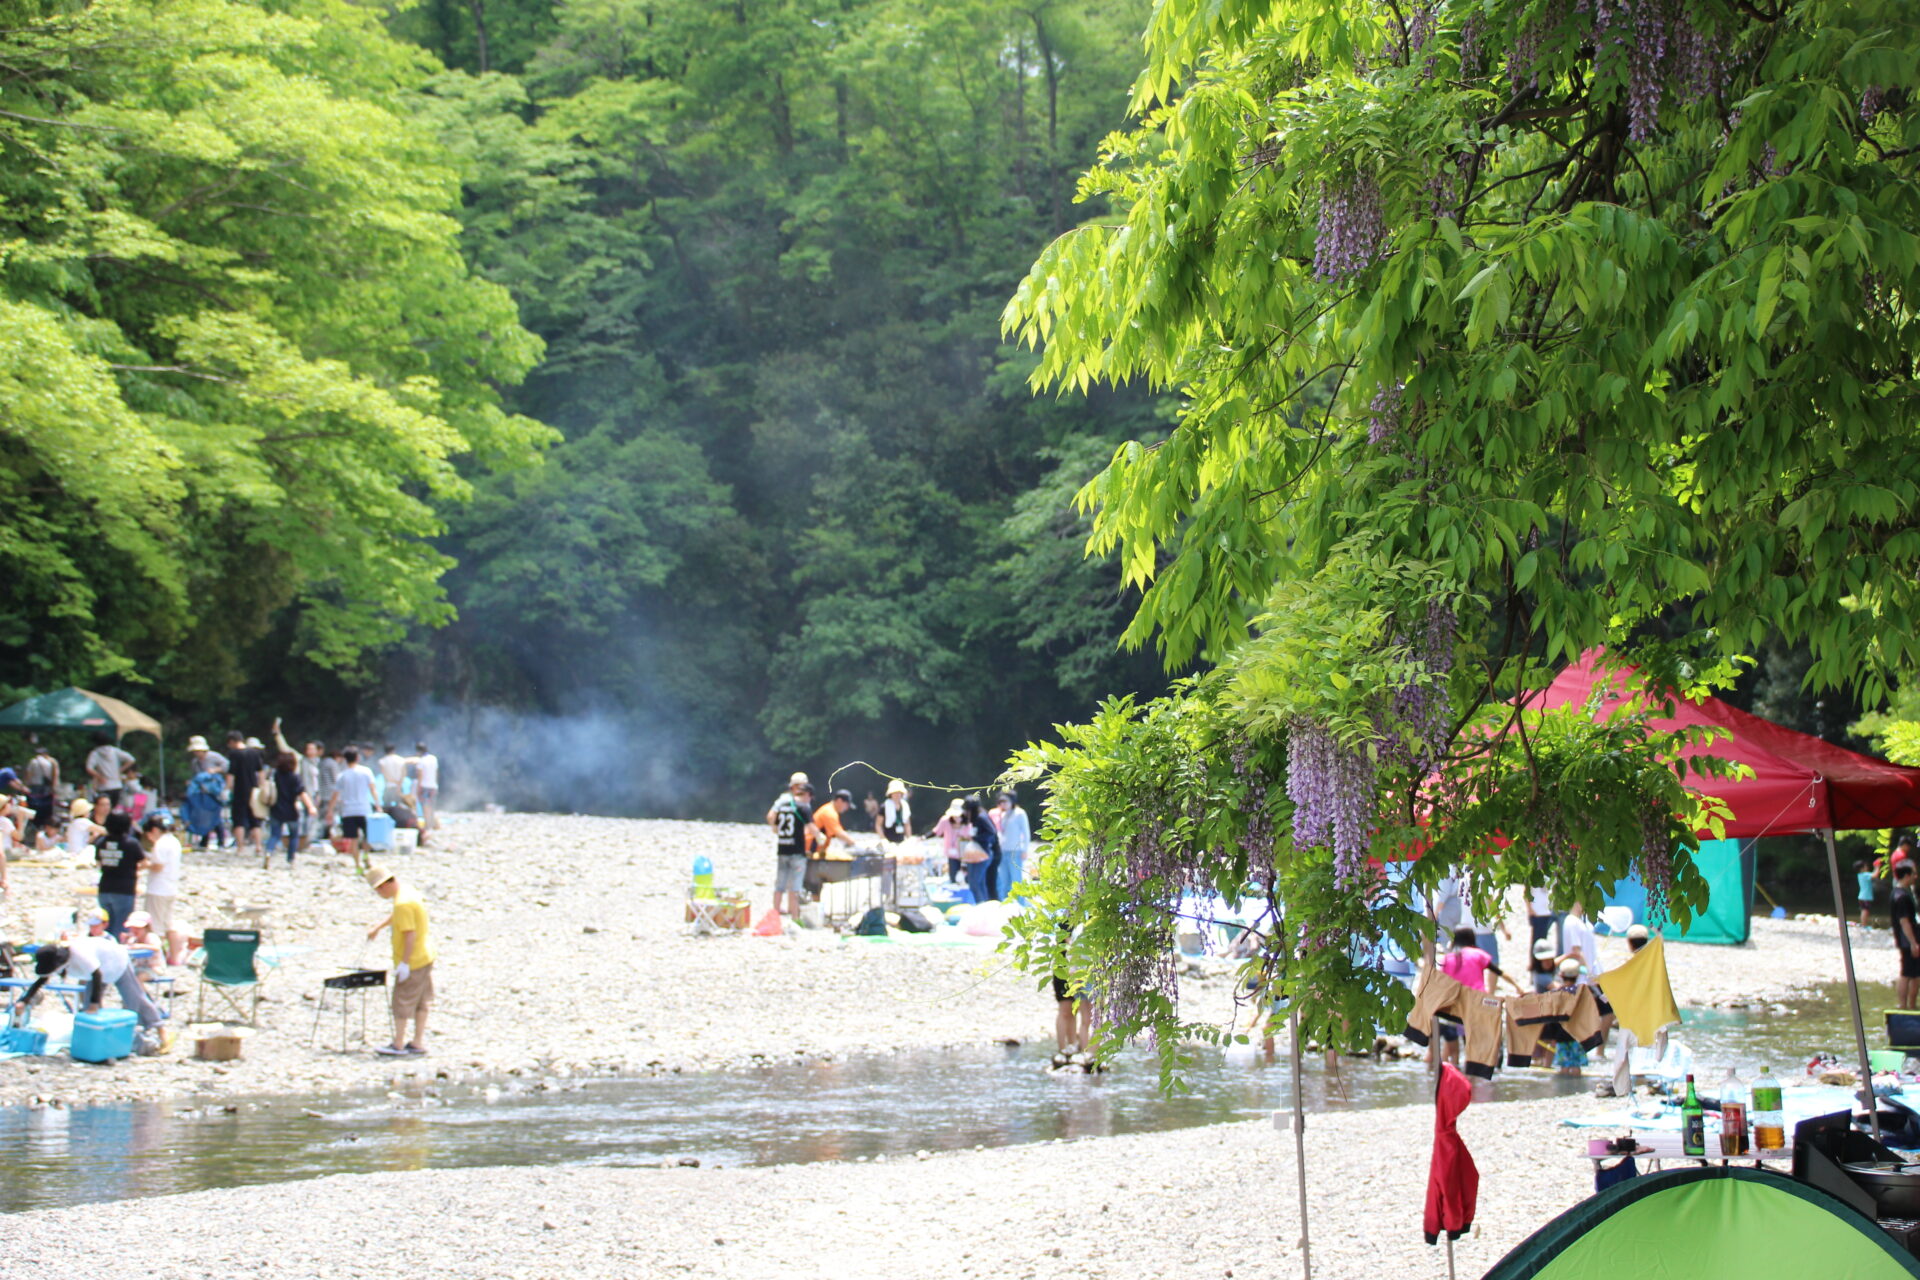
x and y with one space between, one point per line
862 1107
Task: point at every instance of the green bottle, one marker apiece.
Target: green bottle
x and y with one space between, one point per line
1693 1124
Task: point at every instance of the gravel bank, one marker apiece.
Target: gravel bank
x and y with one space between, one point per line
562 947
1210 1202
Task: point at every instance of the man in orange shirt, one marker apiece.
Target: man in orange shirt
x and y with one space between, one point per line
827 819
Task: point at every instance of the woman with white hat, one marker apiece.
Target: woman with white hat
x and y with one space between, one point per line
896 816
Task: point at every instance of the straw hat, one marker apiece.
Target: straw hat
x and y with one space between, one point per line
1569 968
896 788
377 875
80 807
197 743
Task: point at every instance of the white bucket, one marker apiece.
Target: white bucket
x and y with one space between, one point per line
405 840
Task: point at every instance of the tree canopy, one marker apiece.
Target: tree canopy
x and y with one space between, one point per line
1501 331
243 362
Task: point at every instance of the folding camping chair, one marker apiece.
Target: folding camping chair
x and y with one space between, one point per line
229 972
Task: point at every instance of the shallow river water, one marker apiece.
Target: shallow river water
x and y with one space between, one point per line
857 1108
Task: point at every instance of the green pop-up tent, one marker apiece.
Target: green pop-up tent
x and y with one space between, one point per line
1708 1224
79 709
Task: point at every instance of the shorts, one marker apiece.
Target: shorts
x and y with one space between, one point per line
241 811
414 994
428 793
1060 991
790 871
1448 1028
1909 965
160 907
355 826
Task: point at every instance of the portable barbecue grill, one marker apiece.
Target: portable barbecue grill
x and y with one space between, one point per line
347 989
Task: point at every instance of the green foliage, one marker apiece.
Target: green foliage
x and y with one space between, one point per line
243 356
1614 352
771 241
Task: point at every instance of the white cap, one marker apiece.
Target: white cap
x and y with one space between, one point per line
799 779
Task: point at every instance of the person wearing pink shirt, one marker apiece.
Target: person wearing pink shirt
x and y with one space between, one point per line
949 830
1469 966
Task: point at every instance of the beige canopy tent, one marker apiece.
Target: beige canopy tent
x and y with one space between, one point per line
80 709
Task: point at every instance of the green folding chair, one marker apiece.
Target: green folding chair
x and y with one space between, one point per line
229 973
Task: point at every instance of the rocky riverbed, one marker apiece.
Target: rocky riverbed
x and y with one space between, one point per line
562 950
1208 1202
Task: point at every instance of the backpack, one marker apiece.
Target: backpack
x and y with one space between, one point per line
264 794
873 924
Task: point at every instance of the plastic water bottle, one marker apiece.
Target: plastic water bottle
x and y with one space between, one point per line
1733 1116
1769 1113
703 877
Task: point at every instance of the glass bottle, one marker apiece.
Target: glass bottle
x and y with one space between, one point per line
1693 1123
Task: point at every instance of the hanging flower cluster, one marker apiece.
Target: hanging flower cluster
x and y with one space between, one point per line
1334 785
1383 413
1654 46
1351 231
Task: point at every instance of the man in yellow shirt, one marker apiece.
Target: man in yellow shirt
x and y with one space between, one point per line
412 963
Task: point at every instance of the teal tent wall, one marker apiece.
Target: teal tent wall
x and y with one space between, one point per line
1728 866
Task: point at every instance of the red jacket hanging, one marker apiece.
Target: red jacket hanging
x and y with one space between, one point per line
1453 1184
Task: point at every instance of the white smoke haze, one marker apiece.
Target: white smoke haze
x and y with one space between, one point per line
595 759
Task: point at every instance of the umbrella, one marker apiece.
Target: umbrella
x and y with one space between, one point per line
81 709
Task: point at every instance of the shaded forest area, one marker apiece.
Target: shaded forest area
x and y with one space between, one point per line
797 505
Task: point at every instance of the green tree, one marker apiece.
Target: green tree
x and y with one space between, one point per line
245 364
1615 303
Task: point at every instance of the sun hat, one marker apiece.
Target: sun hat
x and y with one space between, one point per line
956 807
197 743
377 875
896 788
139 920
80 807
799 780
256 744
1569 968
1543 949
1637 933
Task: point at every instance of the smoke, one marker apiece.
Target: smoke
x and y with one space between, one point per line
596 759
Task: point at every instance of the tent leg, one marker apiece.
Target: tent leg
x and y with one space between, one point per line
1300 1139
1853 985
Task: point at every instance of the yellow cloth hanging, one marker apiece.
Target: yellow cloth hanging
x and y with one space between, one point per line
1641 995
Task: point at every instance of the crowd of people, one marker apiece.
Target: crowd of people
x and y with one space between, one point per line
983 847
130 834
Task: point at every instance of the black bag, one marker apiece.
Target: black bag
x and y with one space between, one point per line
873 924
912 921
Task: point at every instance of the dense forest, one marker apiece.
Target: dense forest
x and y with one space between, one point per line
613 390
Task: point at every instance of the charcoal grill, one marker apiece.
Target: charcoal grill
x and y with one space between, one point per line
346 989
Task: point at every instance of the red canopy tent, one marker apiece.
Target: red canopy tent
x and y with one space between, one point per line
1799 783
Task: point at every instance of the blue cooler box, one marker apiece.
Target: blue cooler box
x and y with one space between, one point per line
103 1036
380 831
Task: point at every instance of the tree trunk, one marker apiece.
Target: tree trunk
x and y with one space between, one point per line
478 8
1052 70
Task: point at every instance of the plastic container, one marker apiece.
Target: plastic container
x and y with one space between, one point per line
380 831
103 1036
1767 1118
406 840
703 877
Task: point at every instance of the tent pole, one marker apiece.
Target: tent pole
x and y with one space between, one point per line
1853 985
1300 1138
